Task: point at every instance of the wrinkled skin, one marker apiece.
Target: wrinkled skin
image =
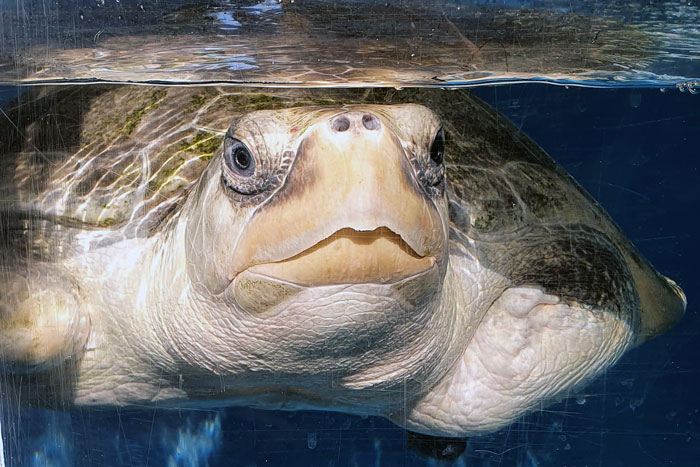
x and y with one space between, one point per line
331 257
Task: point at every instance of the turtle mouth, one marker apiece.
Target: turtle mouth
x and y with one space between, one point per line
350 256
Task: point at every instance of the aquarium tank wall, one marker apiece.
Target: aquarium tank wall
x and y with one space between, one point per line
303 232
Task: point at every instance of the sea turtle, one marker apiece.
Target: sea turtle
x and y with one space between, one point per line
408 254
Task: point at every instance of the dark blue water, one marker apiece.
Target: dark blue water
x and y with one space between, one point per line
638 152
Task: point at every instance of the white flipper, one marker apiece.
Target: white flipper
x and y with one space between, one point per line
42 322
529 349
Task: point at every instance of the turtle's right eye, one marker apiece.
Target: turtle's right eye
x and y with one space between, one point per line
238 158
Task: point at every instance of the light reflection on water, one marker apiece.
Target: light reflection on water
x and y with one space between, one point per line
354 43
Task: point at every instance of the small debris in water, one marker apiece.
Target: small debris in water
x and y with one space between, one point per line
636 403
436 448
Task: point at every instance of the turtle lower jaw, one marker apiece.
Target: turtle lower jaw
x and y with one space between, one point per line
350 256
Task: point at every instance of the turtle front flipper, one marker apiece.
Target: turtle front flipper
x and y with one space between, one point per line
42 321
569 308
530 349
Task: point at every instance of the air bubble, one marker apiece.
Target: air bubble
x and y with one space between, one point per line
693 87
628 383
635 99
580 400
636 403
311 440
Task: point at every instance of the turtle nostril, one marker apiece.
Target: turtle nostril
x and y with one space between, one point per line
341 123
370 122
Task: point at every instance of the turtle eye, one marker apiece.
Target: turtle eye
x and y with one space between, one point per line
239 159
437 149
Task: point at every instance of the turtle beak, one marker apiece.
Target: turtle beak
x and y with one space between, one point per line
350 211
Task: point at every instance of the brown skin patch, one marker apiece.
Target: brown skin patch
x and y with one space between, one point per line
302 177
259 296
409 179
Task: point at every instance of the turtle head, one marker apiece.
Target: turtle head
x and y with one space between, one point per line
320 197
331 218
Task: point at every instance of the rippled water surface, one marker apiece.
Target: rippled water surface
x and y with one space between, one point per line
316 43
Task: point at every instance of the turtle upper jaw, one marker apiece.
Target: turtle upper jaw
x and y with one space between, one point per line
350 256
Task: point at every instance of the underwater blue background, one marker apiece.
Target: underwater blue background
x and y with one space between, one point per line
637 151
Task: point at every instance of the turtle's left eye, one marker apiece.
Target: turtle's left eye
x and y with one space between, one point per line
432 172
437 149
